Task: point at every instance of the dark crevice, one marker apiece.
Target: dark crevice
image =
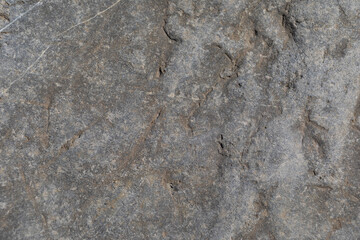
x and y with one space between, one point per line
343 16
289 26
174 187
161 71
224 147
227 54
169 34
314 123
1 33
321 187
5 16
314 144
71 142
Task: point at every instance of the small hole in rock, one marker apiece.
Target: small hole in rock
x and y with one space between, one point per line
161 71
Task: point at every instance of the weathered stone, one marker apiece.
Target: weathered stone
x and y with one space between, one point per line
180 119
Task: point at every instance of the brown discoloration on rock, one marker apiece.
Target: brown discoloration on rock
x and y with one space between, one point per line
179 119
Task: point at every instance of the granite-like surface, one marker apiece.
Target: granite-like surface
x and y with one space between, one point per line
180 119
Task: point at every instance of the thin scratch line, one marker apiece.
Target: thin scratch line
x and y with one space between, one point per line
89 19
20 16
42 54
28 69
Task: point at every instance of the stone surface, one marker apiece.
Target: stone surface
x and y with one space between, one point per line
180 119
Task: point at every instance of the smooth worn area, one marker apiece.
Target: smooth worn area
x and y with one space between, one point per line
180 119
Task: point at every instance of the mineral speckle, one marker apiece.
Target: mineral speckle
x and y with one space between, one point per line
180 119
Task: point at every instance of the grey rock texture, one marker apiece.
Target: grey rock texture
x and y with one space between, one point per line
180 119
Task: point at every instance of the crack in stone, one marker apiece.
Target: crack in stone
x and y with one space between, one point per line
27 70
139 142
69 144
20 16
89 19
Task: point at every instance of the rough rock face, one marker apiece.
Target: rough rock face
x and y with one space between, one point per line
180 119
